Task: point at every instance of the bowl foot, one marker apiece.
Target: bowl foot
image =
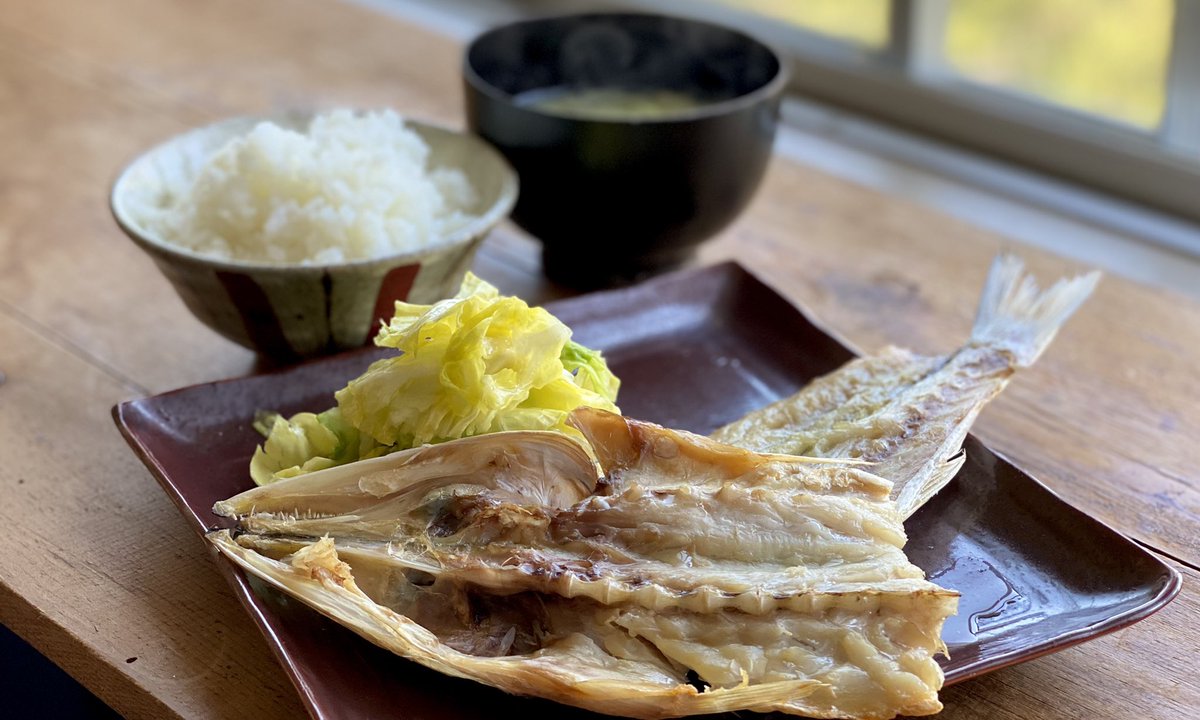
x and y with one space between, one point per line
587 272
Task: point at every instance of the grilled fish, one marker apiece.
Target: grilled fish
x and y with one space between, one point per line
655 573
678 576
908 414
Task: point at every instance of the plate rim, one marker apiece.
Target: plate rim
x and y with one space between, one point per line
1167 592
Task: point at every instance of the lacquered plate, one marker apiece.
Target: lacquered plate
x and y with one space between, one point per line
694 350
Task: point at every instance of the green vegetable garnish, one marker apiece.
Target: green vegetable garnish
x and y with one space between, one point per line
476 363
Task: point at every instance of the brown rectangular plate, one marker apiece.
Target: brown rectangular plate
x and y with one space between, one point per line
694 350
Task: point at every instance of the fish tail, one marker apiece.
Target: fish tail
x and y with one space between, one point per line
1015 316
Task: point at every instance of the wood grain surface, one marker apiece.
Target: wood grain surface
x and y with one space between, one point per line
108 581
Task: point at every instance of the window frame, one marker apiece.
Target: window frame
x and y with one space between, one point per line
909 84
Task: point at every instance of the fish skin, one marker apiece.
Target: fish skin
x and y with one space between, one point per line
909 414
597 664
780 582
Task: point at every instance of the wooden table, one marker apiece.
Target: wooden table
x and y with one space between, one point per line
100 572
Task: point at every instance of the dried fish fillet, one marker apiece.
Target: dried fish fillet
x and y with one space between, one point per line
909 414
657 573
690 577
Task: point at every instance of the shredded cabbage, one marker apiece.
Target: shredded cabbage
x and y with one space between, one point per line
476 363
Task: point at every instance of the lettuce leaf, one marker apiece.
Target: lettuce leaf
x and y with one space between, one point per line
476 363
590 371
306 442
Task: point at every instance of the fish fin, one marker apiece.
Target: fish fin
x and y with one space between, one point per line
1014 316
916 493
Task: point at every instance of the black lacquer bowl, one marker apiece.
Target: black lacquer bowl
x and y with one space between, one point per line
616 198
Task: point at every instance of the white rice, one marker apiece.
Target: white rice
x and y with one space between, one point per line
354 186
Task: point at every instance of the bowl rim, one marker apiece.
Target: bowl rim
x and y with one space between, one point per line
474 229
769 89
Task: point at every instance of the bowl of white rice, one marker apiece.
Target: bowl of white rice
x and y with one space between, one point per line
295 234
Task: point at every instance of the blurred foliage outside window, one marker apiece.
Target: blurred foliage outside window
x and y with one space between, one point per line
863 22
1107 57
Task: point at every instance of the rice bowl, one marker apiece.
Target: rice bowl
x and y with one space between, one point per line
287 310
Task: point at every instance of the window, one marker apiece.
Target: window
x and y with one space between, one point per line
864 22
1106 92
1108 57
